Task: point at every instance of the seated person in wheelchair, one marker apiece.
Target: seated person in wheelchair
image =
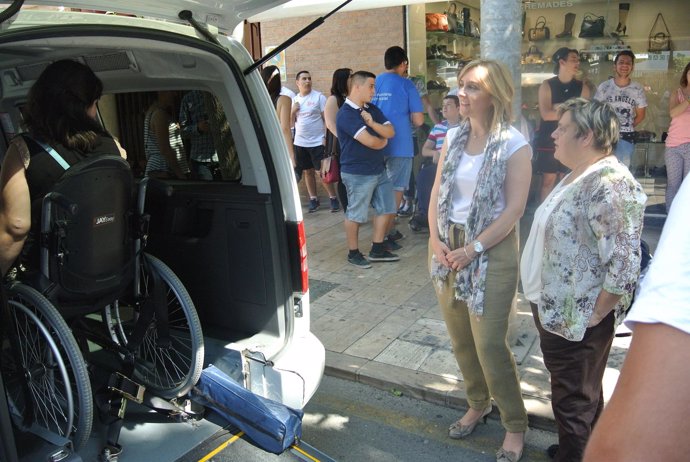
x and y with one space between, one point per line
61 119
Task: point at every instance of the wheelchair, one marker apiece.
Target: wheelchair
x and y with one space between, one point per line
96 293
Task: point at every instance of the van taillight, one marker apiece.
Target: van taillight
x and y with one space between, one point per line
297 243
303 266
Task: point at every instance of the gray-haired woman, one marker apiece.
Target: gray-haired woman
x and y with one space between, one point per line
580 265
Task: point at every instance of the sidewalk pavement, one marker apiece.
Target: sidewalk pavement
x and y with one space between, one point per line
383 327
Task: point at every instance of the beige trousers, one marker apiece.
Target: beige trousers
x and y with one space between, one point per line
480 344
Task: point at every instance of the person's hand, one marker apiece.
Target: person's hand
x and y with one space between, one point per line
368 119
594 320
460 258
440 250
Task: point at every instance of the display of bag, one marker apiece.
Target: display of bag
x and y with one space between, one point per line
454 21
436 22
592 26
659 41
540 31
330 172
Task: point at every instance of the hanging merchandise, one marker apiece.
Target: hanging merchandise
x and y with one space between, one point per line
622 28
454 22
659 41
540 31
436 22
592 26
466 22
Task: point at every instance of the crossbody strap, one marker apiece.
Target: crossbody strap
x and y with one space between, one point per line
52 152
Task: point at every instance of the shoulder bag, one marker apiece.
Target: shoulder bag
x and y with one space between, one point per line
659 41
592 26
539 31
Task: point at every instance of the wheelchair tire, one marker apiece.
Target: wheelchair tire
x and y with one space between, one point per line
168 372
47 365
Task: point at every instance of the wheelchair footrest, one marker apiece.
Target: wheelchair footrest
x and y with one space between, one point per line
126 387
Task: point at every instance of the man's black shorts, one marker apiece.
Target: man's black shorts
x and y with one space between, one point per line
307 158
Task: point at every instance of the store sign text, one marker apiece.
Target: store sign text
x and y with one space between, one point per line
547 5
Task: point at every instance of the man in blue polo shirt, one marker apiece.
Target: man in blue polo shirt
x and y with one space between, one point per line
363 134
399 100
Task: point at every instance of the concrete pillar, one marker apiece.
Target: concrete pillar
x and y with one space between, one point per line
501 37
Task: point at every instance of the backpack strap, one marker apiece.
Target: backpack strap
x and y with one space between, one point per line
54 154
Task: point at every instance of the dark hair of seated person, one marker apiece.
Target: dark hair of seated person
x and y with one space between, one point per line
58 102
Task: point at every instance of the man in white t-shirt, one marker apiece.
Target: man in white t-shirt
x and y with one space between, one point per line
629 101
647 417
310 135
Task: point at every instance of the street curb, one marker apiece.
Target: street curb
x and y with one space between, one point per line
436 389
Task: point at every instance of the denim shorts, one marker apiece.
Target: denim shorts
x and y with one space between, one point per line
399 170
365 190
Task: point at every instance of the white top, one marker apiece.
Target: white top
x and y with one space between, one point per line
533 252
285 91
664 295
531 262
310 128
465 181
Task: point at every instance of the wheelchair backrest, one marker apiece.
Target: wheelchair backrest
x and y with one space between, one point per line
86 229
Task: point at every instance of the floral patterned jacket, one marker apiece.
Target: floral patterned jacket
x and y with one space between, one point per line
592 241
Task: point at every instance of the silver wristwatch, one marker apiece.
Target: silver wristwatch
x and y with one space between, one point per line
478 247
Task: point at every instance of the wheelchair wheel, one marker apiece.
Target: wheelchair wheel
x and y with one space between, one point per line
169 370
45 374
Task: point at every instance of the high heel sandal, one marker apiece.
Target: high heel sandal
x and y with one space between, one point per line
509 456
458 431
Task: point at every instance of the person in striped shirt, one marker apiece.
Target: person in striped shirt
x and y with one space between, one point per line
431 151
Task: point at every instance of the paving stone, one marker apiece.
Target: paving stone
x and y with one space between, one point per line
431 332
405 354
442 362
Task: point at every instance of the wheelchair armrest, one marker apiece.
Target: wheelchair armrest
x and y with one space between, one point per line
62 201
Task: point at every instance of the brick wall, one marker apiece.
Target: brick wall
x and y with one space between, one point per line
356 40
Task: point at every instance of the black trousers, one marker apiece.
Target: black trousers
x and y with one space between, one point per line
577 369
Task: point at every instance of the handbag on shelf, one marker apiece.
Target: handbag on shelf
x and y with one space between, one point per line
533 55
659 41
540 31
592 26
454 21
436 22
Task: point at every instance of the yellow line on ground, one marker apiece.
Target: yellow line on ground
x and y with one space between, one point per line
296 448
221 447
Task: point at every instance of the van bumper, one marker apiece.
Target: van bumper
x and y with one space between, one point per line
293 376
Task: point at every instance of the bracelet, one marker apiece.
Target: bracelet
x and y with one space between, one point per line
466 254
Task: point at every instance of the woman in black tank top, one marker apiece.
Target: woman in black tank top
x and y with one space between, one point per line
553 92
339 91
61 114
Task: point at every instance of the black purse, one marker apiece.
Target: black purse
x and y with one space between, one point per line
592 26
659 41
539 31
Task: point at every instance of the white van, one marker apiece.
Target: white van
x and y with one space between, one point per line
237 243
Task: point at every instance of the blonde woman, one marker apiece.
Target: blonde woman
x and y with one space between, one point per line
478 196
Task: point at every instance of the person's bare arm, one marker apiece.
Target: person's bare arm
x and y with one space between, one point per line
439 247
516 185
606 301
371 141
330 113
586 90
547 110
417 118
384 130
283 109
674 107
640 113
428 150
15 206
160 121
429 108
647 417
122 151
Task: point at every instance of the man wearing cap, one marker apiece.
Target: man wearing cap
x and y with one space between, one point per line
553 92
629 101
